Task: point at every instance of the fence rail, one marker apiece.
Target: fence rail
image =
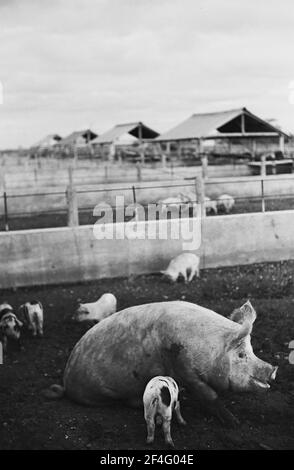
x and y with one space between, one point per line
75 206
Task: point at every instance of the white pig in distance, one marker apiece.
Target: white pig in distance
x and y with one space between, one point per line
184 265
210 205
225 203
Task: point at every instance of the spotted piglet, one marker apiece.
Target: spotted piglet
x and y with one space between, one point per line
33 316
160 399
10 327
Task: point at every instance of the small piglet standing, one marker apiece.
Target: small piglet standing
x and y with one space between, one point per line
185 265
160 399
10 327
33 316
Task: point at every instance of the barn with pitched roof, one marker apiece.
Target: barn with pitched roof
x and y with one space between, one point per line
234 131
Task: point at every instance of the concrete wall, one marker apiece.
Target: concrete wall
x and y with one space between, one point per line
52 256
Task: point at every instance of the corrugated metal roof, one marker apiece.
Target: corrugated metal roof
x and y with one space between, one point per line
115 132
121 129
74 136
206 124
48 141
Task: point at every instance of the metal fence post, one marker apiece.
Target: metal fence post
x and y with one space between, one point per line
134 194
263 175
5 212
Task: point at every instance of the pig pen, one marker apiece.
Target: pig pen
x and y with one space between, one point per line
30 421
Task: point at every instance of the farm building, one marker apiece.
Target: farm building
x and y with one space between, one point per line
234 132
123 136
47 142
76 144
78 138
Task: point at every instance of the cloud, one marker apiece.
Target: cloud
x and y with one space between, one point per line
66 64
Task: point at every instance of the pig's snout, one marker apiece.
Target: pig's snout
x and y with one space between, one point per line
263 376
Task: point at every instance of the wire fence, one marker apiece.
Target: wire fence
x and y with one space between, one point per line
29 210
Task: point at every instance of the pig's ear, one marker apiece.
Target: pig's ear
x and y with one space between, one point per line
249 314
244 314
237 337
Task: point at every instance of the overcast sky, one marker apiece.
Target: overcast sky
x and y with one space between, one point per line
70 64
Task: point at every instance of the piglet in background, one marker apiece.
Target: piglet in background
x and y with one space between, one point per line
185 265
10 327
96 311
225 203
32 314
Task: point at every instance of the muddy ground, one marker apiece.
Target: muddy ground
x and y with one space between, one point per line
30 421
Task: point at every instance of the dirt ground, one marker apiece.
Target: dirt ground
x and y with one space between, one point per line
30 421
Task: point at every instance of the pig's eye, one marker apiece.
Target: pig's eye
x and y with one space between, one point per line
242 355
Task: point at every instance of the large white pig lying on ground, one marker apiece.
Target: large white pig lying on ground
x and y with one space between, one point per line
202 350
185 265
96 311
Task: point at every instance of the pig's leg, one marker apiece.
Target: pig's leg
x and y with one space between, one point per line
150 422
166 427
184 274
40 327
211 401
150 431
191 275
179 415
33 328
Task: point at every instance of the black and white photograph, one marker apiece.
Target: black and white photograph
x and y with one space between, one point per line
146 228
